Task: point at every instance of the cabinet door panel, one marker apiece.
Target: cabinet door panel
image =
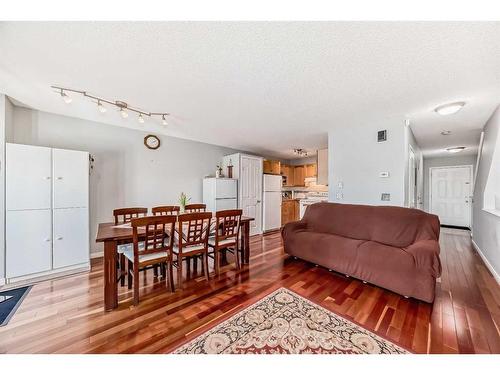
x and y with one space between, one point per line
28 177
28 242
71 236
71 178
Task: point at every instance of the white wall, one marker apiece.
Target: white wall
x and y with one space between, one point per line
486 225
445 161
125 173
355 158
312 159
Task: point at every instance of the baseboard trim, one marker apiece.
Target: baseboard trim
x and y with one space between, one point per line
97 254
486 262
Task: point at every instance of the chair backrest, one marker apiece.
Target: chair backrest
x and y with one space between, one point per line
227 225
153 231
124 215
193 229
165 210
195 207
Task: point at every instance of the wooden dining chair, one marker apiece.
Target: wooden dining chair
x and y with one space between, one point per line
192 241
165 210
124 216
226 236
195 207
157 249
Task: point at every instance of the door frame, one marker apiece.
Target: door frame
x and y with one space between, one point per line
413 172
470 184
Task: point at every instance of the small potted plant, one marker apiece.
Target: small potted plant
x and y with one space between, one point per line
183 201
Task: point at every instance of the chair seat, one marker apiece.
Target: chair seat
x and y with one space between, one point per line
229 241
128 246
129 254
188 249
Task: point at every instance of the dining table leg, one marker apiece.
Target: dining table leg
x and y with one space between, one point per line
110 285
245 243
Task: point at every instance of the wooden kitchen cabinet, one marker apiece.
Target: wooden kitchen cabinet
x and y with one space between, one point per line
272 167
289 211
287 173
299 175
311 170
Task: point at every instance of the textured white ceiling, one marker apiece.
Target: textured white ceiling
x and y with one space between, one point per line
264 87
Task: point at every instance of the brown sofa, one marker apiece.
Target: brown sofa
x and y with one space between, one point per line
393 247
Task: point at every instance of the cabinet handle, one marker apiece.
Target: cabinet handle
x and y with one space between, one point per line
47 240
59 178
59 238
47 178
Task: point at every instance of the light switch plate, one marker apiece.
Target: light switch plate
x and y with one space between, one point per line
385 197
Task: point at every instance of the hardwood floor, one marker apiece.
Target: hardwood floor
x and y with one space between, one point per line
66 315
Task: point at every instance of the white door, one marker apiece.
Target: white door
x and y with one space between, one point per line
226 188
28 242
251 191
71 178
28 177
272 210
450 195
71 236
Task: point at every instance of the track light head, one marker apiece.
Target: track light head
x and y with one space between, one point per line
100 107
140 118
164 120
123 113
67 99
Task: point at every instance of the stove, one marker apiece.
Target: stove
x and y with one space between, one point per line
311 198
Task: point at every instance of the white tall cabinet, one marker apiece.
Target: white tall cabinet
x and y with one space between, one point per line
47 218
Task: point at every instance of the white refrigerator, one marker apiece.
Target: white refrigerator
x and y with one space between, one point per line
272 202
220 193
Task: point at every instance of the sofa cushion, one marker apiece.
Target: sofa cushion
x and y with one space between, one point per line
394 226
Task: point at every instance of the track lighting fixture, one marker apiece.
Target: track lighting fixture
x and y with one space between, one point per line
100 107
300 152
67 99
124 108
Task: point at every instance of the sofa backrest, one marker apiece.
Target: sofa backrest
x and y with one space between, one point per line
393 226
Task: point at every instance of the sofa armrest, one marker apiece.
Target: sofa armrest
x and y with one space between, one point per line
293 226
426 255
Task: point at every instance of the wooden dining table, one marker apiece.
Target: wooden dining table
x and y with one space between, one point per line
113 235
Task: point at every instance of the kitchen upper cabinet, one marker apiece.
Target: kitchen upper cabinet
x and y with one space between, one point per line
299 175
272 167
287 173
322 167
71 178
311 170
28 176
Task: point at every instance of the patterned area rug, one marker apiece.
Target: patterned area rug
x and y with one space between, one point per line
285 323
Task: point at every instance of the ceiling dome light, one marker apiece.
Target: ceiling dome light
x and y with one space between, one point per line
140 118
454 150
123 113
100 107
164 120
449 109
67 99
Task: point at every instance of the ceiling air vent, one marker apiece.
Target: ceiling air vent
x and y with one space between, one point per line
382 136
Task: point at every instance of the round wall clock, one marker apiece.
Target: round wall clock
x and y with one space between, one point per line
152 142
